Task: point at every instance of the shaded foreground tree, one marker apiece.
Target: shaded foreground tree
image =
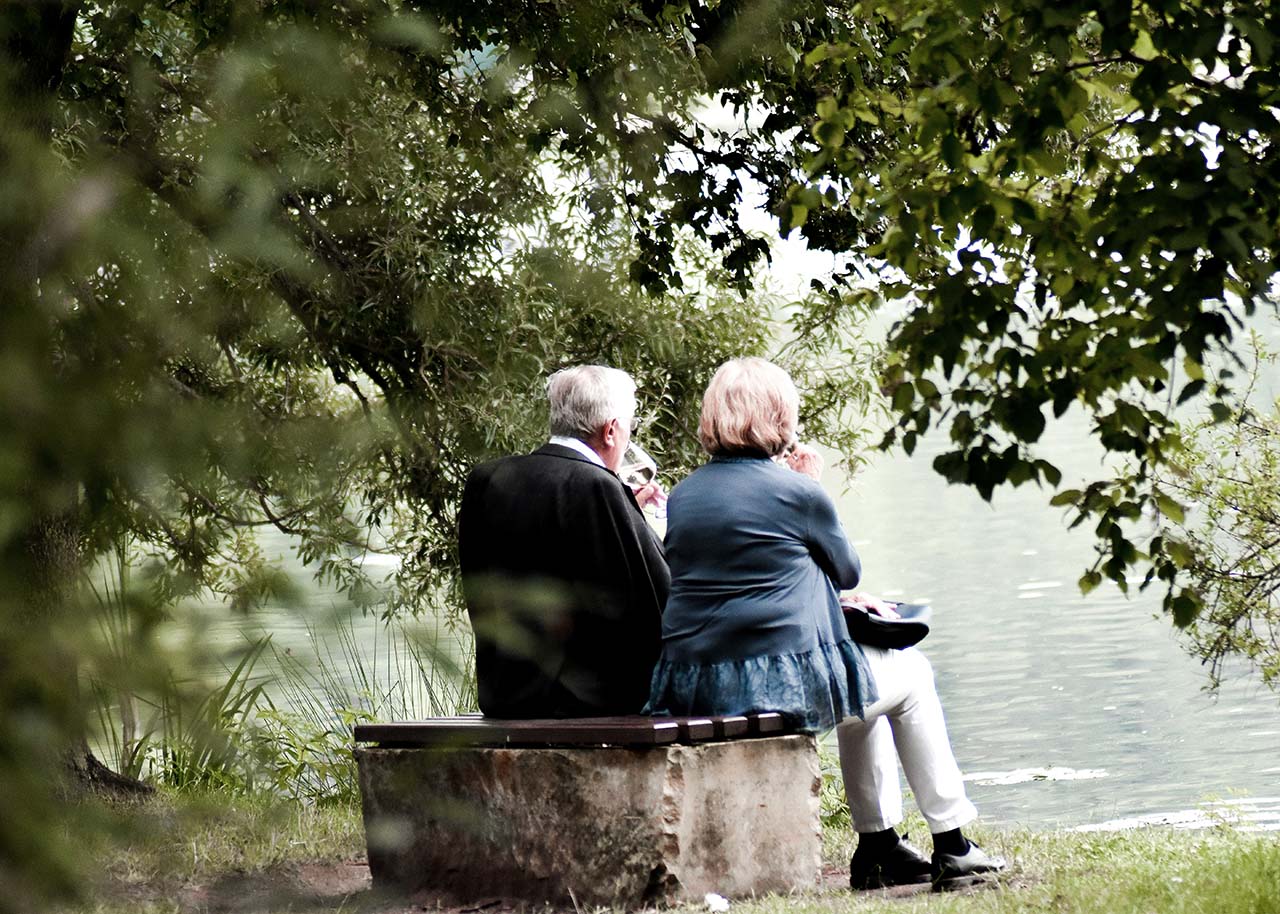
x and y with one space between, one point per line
302 266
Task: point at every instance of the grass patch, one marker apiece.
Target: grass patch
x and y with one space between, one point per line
201 852
1149 871
156 852
189 837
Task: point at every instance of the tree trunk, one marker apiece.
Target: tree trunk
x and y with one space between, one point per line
52 556
87 774
35 38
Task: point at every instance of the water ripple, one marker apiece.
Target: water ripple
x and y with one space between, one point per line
1253 815
1025 775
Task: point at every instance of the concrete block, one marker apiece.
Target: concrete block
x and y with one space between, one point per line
601 825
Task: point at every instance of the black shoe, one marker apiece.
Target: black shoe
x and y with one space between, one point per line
952 870
902 864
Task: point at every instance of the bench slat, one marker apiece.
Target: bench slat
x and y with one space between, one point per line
766 723
630 730
695 729
639 731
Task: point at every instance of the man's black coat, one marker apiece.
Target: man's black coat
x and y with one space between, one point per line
565 584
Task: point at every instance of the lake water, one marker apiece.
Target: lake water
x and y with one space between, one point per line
1064 710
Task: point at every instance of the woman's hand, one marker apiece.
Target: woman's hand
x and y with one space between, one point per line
804 459
871 604
650 494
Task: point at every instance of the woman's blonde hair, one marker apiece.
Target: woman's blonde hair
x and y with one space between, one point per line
750 407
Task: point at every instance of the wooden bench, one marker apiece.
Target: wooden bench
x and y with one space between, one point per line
615 811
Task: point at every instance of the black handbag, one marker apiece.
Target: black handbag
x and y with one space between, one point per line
876 631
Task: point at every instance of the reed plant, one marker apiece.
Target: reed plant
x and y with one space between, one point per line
275 719
202 731
404 671
147 720
116 723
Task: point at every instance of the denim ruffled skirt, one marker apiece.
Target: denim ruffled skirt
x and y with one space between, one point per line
813 690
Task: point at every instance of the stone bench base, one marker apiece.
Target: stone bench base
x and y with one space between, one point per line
599 826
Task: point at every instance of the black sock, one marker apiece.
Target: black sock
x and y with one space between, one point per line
877 842
950 842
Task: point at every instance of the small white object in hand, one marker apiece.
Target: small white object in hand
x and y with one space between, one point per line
716 903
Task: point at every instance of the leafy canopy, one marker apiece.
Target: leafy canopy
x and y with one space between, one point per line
1079 202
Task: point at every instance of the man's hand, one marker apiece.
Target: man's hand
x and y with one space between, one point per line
804 459
650 494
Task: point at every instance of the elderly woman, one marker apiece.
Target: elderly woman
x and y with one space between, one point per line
753 623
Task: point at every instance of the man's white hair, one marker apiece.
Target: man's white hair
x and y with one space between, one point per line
585 397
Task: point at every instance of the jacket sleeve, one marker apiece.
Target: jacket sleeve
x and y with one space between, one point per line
828 543
627 634
626 543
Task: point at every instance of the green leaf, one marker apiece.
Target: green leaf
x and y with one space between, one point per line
818 54
1065 497
984 219
865 114
1181 554
952 154
828 134
1089 581
1143 47
1190 390
1052 474
1185 607
1025 419
1170 508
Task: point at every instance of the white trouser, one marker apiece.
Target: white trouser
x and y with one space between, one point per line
907 716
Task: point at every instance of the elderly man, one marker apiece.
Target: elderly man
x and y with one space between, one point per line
564 581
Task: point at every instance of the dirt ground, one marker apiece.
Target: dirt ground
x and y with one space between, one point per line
345 886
